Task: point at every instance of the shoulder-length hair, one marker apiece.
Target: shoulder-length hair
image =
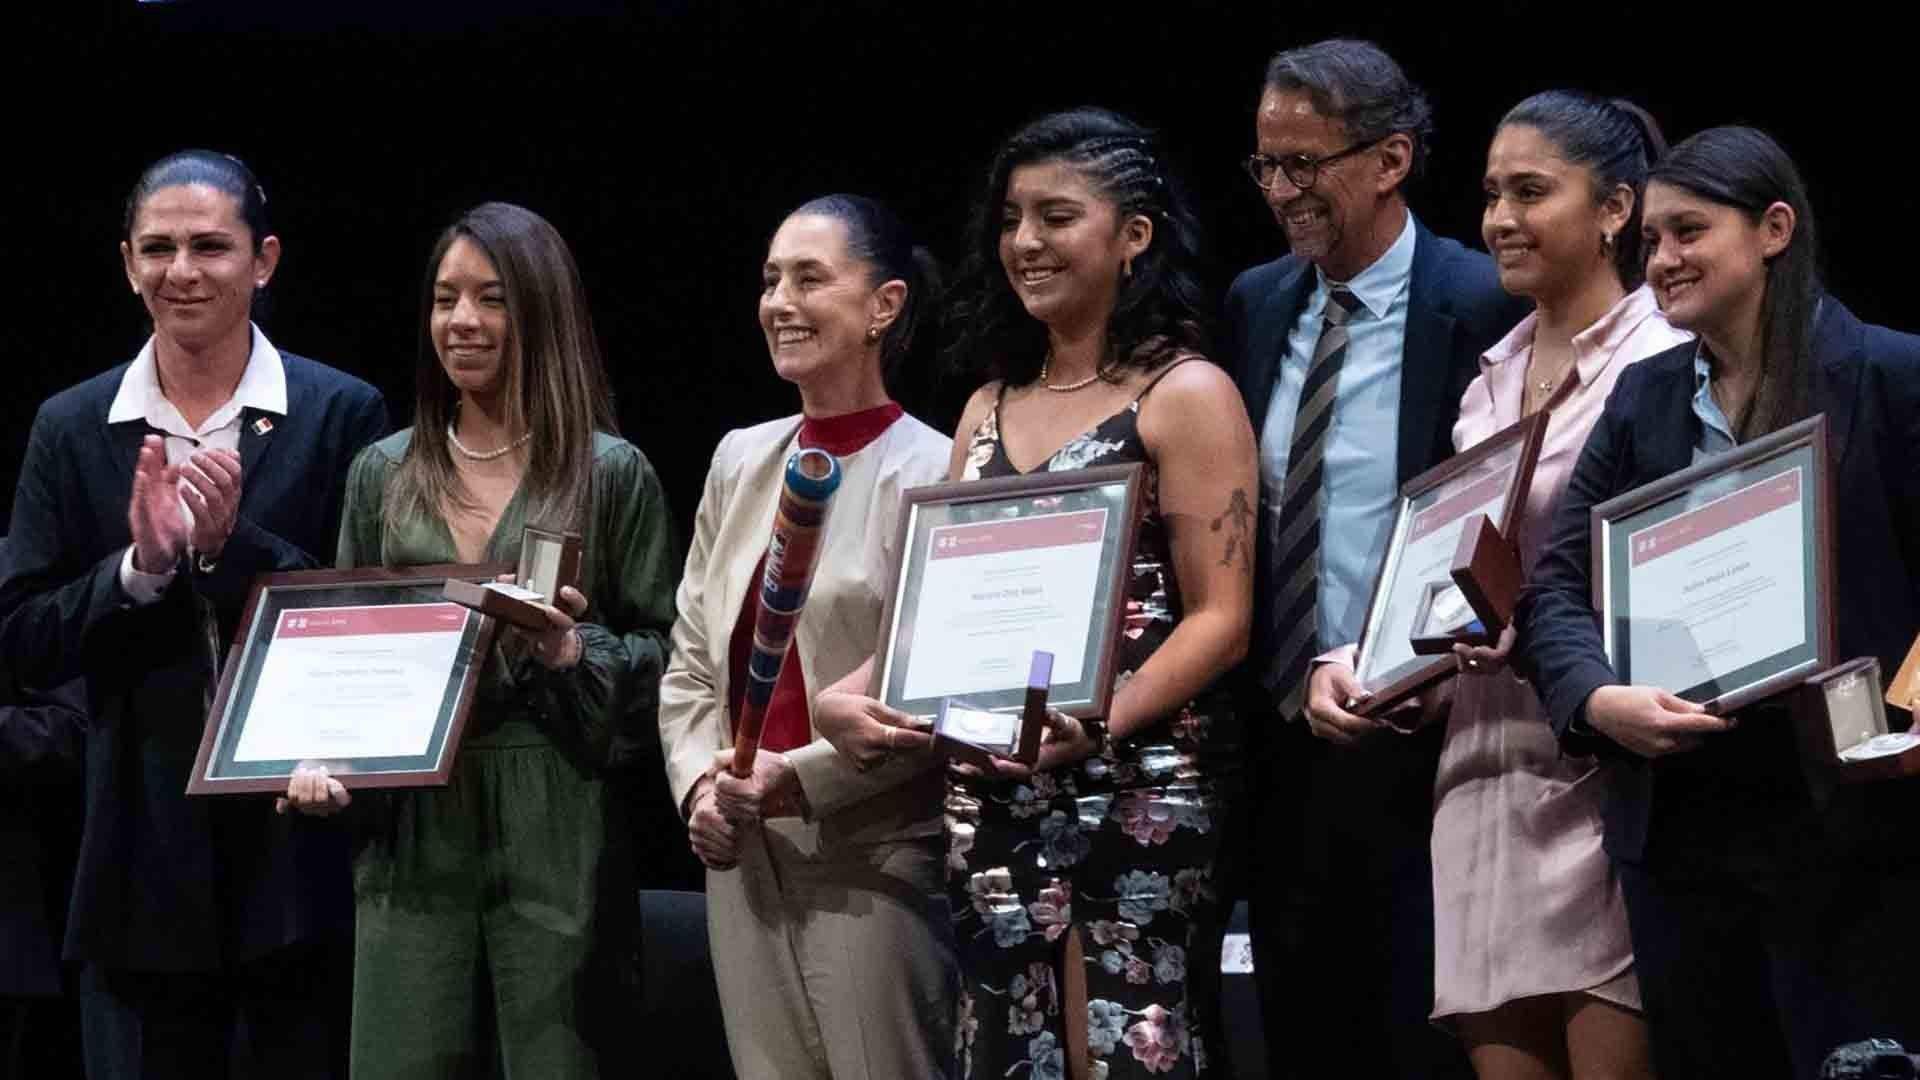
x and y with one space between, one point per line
1161 311
555 385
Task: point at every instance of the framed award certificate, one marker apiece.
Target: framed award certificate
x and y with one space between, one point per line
370 673
992 571
1416 595
1715 584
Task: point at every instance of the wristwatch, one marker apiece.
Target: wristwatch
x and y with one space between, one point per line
204 563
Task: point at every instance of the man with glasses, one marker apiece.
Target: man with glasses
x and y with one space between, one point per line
1352 353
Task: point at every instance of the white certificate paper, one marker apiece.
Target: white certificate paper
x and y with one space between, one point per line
352 682
993 592
1426 555
1718 587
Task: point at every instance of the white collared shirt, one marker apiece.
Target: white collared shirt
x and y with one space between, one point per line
263 386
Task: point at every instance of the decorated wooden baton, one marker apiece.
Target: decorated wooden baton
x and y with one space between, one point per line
812 478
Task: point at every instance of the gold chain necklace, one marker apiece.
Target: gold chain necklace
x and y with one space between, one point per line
1069 387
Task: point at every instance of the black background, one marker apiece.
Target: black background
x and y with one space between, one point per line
666 141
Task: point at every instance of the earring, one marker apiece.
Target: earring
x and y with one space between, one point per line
1126 267
261 284
873 333
1606 244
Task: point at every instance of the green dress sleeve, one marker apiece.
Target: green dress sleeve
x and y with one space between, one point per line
611 698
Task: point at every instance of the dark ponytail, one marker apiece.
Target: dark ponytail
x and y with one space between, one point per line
1616 140
877 236
221 172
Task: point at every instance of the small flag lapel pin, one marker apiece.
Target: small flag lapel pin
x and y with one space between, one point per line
262 425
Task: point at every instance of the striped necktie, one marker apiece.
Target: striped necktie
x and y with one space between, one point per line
1302 504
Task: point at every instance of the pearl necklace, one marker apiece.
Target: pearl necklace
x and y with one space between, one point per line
488 455
1070 387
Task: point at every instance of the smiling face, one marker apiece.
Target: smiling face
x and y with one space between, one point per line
471 328
818 301
1543 220
191 260
1332 221
1063 245
1707 262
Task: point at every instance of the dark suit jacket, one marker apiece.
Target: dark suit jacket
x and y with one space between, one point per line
1868 384
41 740
1456 310
167 883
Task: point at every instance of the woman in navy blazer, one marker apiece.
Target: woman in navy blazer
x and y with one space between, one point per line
1769 924
150 496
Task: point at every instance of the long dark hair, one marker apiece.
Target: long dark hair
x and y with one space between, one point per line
1160 311
878 237
1617 141
1744 168
555 385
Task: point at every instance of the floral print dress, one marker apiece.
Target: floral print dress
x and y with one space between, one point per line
1122 846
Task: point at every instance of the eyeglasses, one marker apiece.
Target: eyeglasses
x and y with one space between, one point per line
1302 170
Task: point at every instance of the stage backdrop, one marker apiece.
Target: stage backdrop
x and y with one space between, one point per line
666 140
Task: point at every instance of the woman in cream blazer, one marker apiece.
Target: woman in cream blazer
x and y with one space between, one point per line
825 907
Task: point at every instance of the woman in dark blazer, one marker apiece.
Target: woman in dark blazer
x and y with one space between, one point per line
1769 921
150 496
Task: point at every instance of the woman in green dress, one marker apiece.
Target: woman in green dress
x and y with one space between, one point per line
493 917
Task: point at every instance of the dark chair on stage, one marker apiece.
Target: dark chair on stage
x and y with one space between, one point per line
679 1003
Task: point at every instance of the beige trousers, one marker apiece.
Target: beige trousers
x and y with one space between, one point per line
834 964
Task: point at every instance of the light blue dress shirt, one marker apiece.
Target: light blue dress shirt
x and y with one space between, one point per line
1716 434
1363 442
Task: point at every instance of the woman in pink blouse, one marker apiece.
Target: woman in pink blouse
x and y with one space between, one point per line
1532 959
1533 965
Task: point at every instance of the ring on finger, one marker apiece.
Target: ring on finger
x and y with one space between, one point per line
890 735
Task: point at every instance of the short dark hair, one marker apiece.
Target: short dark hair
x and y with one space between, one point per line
1162 310
1358 84
1744 168
878 237
1617 141
221 172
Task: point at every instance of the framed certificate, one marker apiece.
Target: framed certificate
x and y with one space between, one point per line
1416 595
368 672
992 571
1715 584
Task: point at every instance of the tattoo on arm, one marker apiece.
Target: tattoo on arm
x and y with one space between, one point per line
1236 522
